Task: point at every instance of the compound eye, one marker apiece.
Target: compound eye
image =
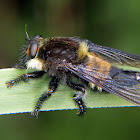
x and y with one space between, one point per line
33 50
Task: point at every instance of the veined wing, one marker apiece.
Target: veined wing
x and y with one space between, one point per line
115 55
122 87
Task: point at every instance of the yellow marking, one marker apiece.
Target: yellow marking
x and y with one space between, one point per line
99 88
82 50
99 65
92 85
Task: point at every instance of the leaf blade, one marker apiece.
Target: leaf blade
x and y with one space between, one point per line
23 97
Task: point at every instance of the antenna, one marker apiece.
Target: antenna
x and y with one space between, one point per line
27 35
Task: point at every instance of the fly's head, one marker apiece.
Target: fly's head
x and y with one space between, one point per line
34 46
33 52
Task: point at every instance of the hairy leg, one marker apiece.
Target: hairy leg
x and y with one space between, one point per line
25 77
78 97
52 88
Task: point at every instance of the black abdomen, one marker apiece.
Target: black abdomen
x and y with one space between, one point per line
124 77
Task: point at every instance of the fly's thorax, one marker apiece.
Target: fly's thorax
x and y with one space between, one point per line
62 48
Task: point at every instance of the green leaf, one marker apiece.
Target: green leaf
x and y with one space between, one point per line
23 96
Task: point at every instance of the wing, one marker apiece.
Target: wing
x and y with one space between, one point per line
123 87
114 55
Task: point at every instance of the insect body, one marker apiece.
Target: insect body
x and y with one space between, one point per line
68 57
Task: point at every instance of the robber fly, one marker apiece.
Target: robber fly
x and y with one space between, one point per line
65 57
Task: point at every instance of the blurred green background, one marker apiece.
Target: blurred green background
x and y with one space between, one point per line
106 22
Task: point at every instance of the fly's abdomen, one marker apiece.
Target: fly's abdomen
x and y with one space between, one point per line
125 77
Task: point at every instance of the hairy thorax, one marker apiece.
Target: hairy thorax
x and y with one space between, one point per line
57 51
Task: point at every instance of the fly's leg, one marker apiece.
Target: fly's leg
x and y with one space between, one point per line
52 88
78 98
25 77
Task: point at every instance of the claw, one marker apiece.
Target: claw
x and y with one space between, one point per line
9 84
35 113
80 113
81 110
